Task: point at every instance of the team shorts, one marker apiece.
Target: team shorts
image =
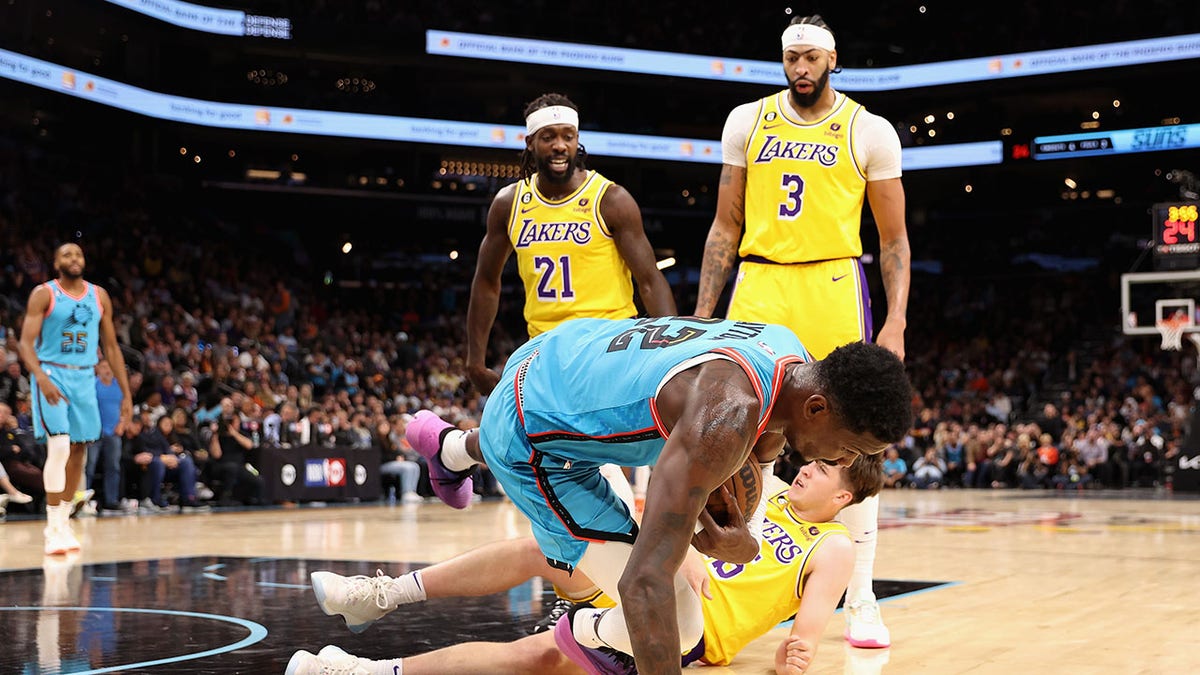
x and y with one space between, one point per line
567 501
78 416
826 304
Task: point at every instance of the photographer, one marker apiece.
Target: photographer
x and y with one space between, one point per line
228 451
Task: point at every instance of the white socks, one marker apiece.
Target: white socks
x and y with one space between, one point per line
863 522
454 451
57 516
406 589
54 472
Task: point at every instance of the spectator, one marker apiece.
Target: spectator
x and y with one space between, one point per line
171 461
895 469
19 454
239 481
929 471
106 452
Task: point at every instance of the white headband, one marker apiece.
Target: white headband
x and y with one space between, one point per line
807 35
555 114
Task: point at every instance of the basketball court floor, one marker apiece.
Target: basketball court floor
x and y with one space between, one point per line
976 582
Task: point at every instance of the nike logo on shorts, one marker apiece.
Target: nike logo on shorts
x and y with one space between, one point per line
839 278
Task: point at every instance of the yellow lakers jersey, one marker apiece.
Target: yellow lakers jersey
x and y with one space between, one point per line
804 187
566 256
750 599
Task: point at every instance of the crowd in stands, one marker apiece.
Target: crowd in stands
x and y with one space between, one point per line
230 349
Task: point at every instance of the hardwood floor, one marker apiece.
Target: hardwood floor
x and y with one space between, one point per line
1038 582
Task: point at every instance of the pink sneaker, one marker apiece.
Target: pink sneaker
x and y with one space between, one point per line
424 434
602 661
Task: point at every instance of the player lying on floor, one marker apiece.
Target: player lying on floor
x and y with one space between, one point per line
803 567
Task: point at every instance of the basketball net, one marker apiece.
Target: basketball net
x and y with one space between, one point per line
1172 333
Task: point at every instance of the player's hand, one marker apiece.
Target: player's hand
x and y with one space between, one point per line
485 379
891 338
696 573
730 542
49 391
793 656
126 415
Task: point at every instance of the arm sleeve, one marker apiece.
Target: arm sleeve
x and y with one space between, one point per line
736 132
877 146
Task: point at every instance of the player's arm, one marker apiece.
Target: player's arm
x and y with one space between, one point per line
712 411
720 249
112 352
31 329
887 205
494 251
829 573
624 220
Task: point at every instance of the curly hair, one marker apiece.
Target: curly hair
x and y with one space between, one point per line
528 162
868 389
863 478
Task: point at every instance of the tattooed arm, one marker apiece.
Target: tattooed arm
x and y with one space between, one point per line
712 413
887 204
720 249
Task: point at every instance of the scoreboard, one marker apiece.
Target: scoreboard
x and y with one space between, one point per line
1175 242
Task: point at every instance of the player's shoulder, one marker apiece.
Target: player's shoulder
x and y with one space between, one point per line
507 193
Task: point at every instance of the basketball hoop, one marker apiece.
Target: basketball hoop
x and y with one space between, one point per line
1172 329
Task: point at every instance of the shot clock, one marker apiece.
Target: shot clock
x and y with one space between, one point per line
1175 236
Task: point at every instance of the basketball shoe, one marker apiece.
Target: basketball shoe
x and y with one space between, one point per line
60 540
560 607
424 434
360 600
864 625
329 661
593 660
81 503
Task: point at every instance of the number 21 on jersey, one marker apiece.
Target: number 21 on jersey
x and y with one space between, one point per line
547 291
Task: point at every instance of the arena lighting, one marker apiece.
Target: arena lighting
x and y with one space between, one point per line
982 69
53 77
210 19
665 263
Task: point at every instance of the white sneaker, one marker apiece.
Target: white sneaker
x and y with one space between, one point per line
412 498
148 506
329 661
19 498
3 506
864 625
361 600
60 541
203 493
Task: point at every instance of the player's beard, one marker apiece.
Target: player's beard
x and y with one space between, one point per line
65 273
550 176
810 99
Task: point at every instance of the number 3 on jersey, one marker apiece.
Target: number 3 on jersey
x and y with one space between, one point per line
546 291
793 184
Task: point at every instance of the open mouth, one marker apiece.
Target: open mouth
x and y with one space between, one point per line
559 163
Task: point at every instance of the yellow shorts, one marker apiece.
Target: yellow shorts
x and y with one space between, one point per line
826 304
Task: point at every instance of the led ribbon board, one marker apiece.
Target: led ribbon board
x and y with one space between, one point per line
1123 141
46 75
982 69
210 19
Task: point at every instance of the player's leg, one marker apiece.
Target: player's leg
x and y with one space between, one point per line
491 568
452 455
599 638
533 654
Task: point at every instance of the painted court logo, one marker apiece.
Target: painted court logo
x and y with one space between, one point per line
324 472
